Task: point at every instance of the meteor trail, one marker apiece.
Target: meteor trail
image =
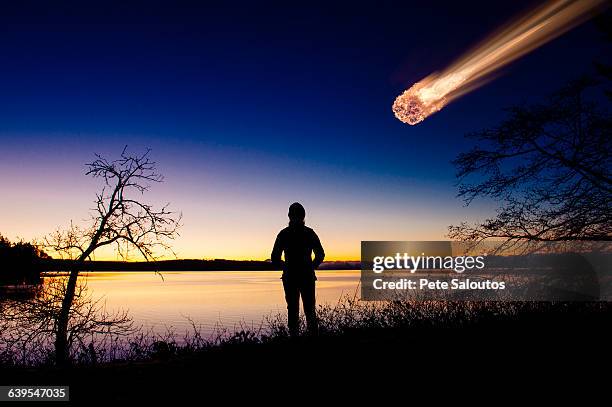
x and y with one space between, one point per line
471 70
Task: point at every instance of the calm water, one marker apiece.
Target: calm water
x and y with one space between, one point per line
211 299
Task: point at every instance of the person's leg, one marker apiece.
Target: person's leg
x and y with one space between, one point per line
307 290
292 297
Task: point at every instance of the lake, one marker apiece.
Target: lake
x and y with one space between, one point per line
211 299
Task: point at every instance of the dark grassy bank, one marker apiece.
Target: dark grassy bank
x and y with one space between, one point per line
361 346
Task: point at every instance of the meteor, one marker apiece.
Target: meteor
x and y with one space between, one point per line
475 67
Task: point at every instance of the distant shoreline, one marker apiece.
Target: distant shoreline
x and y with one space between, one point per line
184 265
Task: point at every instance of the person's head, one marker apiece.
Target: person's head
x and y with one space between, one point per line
297 213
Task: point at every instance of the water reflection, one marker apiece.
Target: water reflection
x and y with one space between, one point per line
209 299
114 306
29 323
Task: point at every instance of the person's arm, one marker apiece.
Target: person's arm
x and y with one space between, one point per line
318 251
277 251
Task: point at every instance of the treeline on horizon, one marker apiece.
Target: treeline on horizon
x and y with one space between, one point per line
22 262
184 265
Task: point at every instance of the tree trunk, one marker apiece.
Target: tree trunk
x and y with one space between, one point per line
61 338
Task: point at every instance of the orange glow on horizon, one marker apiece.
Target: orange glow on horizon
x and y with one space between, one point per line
224 222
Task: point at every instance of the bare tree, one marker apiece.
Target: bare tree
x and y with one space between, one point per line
550 167
28 325
120 219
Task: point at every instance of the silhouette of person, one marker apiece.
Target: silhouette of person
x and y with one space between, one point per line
298 242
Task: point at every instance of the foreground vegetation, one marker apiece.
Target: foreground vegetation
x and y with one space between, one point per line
385 346
102 339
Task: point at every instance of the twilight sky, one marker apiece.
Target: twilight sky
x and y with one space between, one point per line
248 108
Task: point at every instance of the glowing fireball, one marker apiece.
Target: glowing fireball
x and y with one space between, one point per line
476 66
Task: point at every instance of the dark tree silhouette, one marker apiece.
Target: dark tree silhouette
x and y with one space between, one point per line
119 219
20 262
28 325
550 167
